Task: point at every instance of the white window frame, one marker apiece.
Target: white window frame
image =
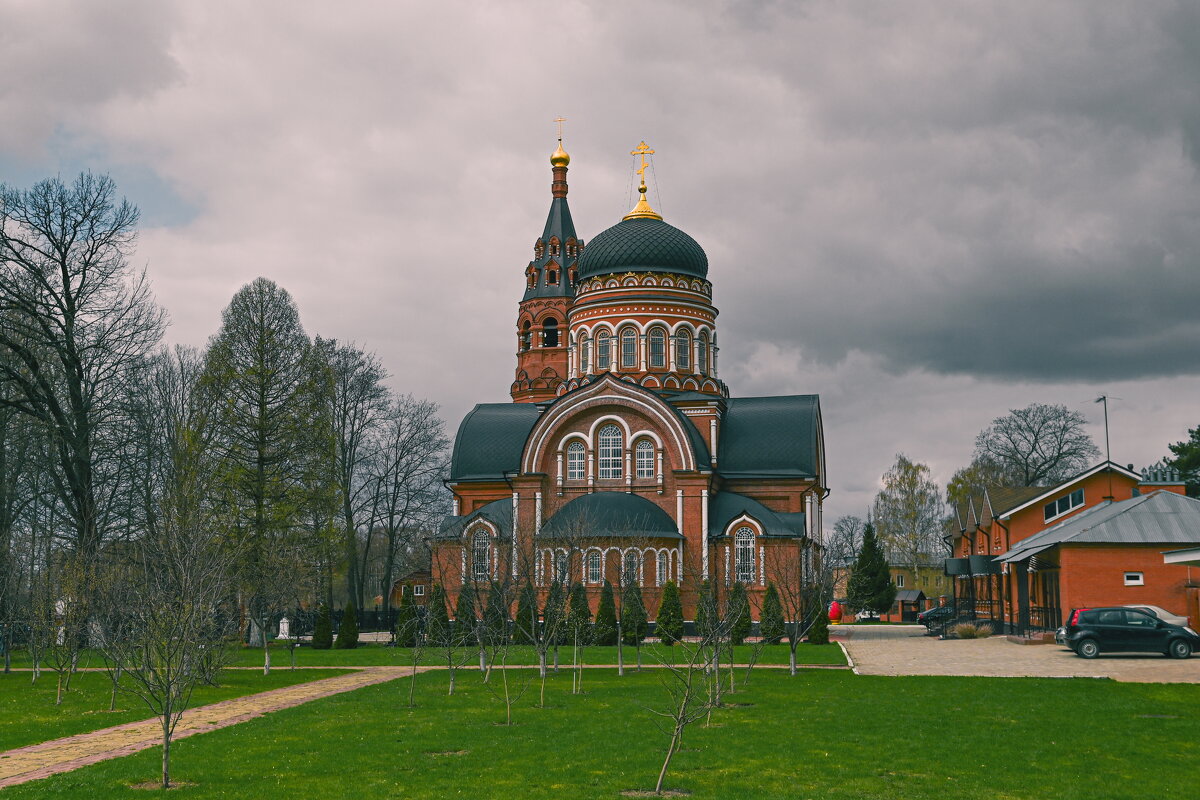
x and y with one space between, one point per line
610 456
576 461
585 348
630 572
419 590
683 350
899 581
657 340
603 351
629 348
1135 578
744 561
1063 505
594 567
481 542
702 353
562 567
662 568
644 459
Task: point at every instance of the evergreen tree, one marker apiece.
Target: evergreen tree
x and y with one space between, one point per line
1187 460
870 586
464 613
669 624
323 629
437 620
495 614
554 614
819 632
706 609
525 629
771 624
739 614
579 615
347 637
407 620
604 632
633 615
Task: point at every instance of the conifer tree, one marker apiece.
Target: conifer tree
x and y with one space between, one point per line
633 615
407 621
554 619
437 619
669 624
525 628
347 637
771 624
579 615
464 613
495 614
604 632
706 610
739 614
323 629
818 633
870 586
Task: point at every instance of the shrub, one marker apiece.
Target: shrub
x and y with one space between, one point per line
633 615
604 632
579 616
407 621
347 636
525 627
819 632
323 629
438 628
971 630
771 625
669 624
739 614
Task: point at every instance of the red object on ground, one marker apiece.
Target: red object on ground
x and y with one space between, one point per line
835 611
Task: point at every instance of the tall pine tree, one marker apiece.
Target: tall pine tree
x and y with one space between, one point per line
669 624
579 616
407 620
525 626
870 586
604 632
771 625
633 615
739 614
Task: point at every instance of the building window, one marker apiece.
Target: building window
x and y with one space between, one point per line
702 353
630 575
552 277
662 563
645 458
480 556
526 336
560 567
1135 579
418 591
585 347
629 349
550 333
899 581
609 452
683 351
744 552
575 458
603 353
1056 508
593 566
658 348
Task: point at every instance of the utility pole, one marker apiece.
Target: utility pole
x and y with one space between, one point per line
1107 451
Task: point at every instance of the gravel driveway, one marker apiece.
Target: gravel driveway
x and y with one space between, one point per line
906 650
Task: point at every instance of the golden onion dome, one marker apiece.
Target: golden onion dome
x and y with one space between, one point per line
560 157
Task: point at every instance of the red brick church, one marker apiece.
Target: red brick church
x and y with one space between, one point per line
622 455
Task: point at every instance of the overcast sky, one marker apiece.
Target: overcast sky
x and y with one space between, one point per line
927 213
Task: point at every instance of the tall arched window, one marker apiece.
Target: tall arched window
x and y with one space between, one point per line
603 351
683 350
629 349
629 575
645 458
593 566
744 554
658 347
550 333
480 555
561 571
662 567
585 347
702 353
575 466
608 451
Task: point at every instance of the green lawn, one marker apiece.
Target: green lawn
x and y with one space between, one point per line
28 714
823 734
376 655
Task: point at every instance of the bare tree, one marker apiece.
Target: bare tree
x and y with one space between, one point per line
909 514
1038 445
788 564
74 321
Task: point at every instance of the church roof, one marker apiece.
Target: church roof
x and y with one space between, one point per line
610 514
558 224
490 440
497 512
764 437
643 245
725 507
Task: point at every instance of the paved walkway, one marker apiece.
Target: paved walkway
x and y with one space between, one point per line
61 755
906 650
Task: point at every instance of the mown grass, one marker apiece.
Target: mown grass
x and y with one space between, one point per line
28 714
822 734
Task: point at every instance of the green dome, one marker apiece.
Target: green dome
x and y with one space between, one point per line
643 245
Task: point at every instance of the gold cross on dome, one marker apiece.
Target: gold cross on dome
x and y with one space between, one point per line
559 121
642 150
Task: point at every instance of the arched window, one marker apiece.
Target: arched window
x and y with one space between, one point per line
561 571
526 336
603 351
644 458
662 567
575 461
480 555
585 347
593 566
550 333
552 277
683 350
629 576
702 353
658 348
744 552
609 452
629 349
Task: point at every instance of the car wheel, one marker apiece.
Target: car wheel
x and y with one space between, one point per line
1089 649
1179 649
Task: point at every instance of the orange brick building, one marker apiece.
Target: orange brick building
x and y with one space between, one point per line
622 456
1023 557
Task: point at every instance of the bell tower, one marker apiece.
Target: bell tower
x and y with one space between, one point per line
549 290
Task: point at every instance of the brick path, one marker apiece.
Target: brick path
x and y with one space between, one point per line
61 755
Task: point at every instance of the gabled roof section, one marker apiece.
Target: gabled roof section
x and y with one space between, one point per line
767 437
497 512
1046 491
609 515
490 440
558 225
1156 518
725 507
1006 498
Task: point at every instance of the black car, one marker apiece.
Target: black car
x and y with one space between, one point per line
933 617
1092 631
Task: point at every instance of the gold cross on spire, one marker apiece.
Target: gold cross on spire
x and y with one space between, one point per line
559 121
642 150
642 210
560 157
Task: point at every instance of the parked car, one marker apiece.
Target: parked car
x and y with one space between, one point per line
867 616
936 616
1161 613
1092 631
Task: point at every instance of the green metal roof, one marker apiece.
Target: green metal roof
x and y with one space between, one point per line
560 224
770 437
490 440
610 514
725 507
497 512
643 245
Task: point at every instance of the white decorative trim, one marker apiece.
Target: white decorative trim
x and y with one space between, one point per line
704 530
